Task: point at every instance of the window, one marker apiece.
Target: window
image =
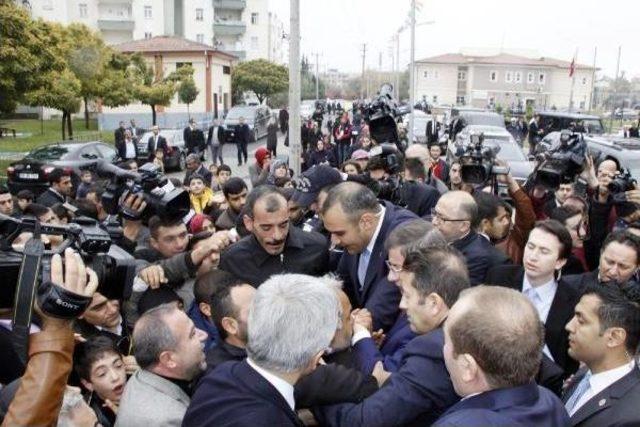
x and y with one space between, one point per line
426 74
541 78
147 35
462 76
517 77
582 104
83 10
460 100
254 43
226 69
584 81
200 38
435 74
199 14
530 78
183 64
508 77
493 76
254 18
435 99
147 12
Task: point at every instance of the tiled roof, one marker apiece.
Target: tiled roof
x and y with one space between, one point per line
168 44
501 59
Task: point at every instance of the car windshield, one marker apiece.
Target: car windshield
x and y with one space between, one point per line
593 126
508 151
237 112
51 152
484 119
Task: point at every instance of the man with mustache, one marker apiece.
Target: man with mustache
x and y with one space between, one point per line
273 246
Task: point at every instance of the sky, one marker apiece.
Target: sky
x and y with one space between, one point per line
337 29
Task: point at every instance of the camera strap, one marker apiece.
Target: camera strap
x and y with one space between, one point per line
25 292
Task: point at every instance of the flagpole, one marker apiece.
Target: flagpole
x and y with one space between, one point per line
593 78
572 70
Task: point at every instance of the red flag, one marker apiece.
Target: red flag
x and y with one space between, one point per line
572 67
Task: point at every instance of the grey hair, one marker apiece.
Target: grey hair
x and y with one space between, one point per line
193 157
152 335
293 317
334 282
414 235
72 399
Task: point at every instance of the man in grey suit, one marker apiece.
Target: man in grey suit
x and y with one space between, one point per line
170 352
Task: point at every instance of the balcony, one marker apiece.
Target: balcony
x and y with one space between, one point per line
112 23
229 28
230 4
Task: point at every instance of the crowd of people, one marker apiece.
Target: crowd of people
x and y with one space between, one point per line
367 291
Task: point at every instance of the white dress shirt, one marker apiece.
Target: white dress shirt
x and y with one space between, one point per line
283 387
130 152
599 382
372 243
541 297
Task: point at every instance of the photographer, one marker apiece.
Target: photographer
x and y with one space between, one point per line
39 397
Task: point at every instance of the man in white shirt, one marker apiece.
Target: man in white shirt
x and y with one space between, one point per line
604 335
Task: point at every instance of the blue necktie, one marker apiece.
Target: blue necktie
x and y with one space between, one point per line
363 263
580 390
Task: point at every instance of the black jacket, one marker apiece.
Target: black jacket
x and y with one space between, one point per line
480 255
419 198
219 134
616 405
328 384
242 134
50 198
202 171
304 253
162 144
555 335
319 157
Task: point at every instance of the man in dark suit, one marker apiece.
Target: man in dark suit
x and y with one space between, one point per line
292 321
604 335
60 188
118 134
456 216
195 167
420 390
432 131
494 375
189 136
545 254
127 148
242 138
360 224
155 142
534 133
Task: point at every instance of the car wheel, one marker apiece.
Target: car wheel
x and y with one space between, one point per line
182 162
255 134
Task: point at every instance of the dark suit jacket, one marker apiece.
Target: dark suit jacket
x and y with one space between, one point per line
416 395
432 132
326 385
203 172
50 198
162 143
523 406
560 313
242 134
378 295
390 353
616 405
480 255
235 394
121 147
581 281
219 134
118 135
189 140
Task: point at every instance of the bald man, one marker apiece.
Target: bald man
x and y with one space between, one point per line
495 376
456 216
421 152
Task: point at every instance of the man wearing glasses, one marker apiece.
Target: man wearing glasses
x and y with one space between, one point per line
456 216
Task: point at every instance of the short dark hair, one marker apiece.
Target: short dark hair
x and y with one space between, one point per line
196 176
90 351
35 209
4 189
61 212
223 167
220 298
56 175
488 205
563 213
416 168
557 229
354 199
352 163
152 335
235 185
439 270
22 194
269 192
619 311
155 222
413 235
86 208
625 238
376 163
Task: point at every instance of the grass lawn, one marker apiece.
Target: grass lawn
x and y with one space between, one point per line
52 133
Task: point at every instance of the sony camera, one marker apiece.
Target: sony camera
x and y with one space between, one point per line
477 161
381 115
560 162
162 197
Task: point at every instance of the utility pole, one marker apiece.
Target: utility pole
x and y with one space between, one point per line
294 86
398 65
593 78
317 80
615 92
573 80
411 69
364 55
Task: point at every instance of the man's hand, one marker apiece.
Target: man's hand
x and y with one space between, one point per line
216 243
362 319
153 276
378 337
74 277
135 204
633 196
130 364
589 172
380 374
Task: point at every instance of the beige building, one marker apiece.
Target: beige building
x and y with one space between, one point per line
212 75
504 79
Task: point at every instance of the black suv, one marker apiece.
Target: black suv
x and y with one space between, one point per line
555 121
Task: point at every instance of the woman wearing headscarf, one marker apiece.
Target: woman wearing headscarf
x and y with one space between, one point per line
259 171
277 170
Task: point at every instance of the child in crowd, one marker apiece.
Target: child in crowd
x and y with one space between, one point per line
25 198
221 176
200 195
158 159
86 181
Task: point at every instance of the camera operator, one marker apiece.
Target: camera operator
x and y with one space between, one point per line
422 153
38 399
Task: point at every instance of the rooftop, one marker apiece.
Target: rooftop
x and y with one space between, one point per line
500 59
160 44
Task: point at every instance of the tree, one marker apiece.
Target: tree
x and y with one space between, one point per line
116 85
28 55
188 92
261 77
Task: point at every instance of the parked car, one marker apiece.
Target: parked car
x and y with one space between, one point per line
256 116
509 150
32 171
176 160
555 121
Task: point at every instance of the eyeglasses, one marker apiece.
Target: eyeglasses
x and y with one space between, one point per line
436 215
392 267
